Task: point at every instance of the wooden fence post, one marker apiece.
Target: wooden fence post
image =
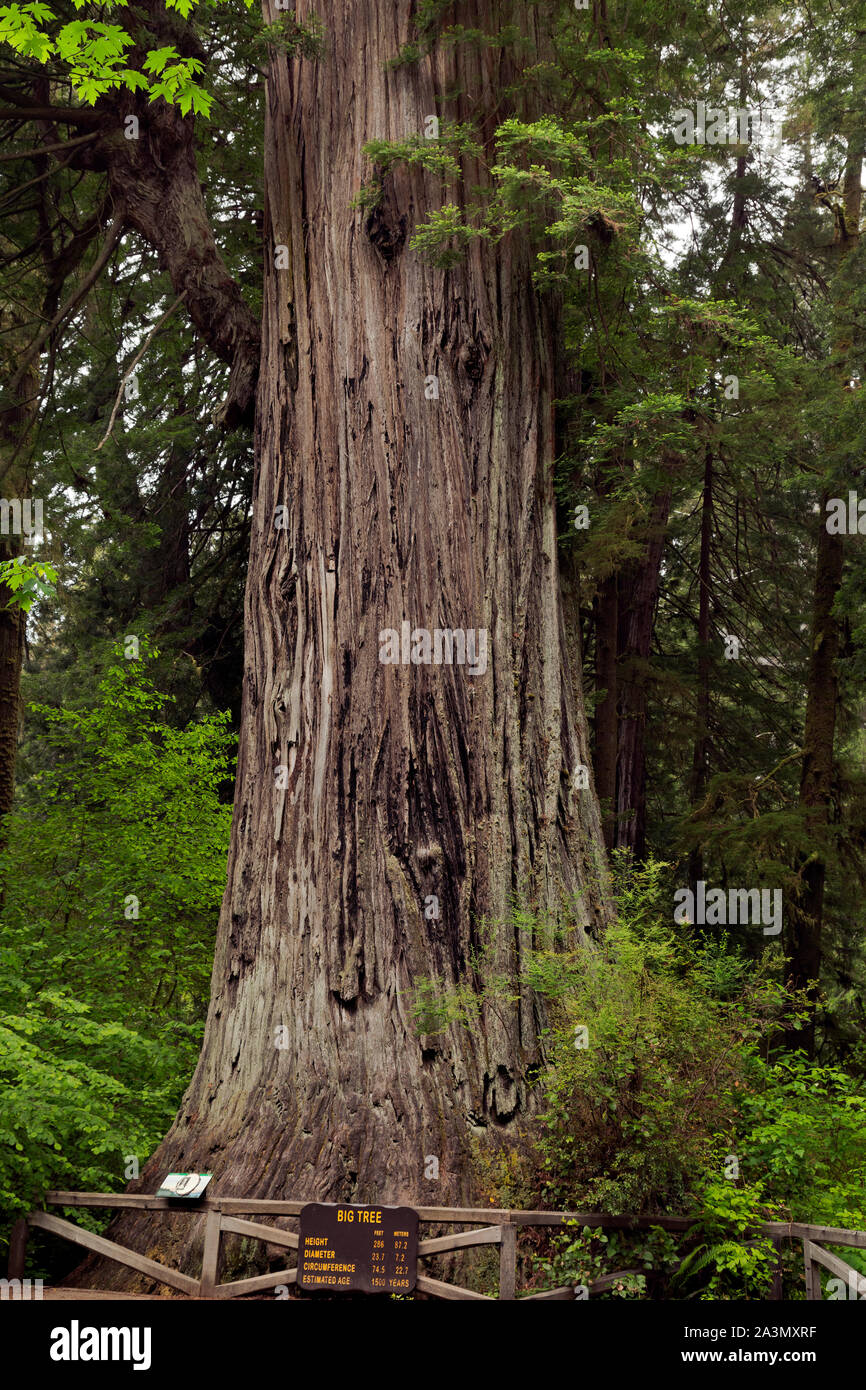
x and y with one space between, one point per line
18 1248
210 1265
508 1261
776 1289
813 1275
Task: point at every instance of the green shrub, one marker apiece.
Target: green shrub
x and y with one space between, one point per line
112 875
802 1130
582 1254
647 1106
732 1258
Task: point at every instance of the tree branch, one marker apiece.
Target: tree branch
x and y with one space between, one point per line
135 361
64 115
48 149
93 274
157 181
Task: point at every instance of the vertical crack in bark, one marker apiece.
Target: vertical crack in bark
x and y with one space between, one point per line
436 779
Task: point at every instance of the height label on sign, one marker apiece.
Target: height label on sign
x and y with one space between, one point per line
372 1249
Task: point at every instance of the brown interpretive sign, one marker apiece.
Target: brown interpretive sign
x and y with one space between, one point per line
370 1249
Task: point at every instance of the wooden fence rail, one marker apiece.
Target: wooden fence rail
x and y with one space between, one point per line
493 1227
814 1255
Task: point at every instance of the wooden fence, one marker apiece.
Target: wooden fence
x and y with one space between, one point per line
229 1215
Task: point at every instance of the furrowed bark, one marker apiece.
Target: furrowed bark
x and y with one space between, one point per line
402 783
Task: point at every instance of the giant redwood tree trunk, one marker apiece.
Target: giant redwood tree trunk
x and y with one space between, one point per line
398 786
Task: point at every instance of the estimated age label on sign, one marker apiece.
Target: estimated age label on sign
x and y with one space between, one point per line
373 1249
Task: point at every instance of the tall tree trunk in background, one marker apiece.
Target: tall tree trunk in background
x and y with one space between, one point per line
19 405
727 282
700 758
639 589
17 417
166 568
605 722
816 783
402 784
11 654
817 776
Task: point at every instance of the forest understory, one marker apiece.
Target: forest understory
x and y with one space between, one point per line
433 627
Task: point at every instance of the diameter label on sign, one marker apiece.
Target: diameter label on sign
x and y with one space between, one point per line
370 1249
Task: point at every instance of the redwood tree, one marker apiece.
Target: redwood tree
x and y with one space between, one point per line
387 815
818 774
